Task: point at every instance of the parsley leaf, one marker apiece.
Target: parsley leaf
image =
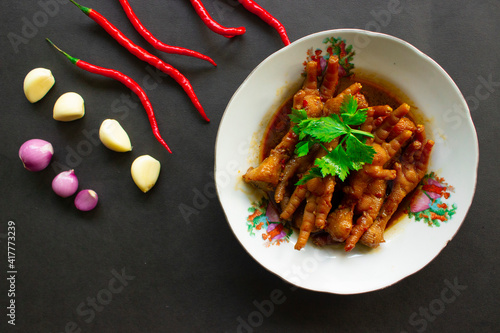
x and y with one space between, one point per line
350 154
354 119
336 162
359 152
349 112
314 172
349 105
302 148
297 115
323 129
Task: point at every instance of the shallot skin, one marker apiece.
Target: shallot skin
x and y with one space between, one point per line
65 184
36 154
86 200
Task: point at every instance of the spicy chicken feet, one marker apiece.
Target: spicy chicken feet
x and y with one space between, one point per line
332 106
409 172
369 206
267 175
340 221
318 204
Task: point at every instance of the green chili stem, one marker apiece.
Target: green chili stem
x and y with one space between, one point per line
84 9
72 59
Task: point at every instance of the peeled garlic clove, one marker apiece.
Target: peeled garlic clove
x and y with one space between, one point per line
70 106
37 83
113 136
145 171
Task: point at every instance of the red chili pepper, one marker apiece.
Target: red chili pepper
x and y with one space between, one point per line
144 55
254 8
214 25
127 81
157 44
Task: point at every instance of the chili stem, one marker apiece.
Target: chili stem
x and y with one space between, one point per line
127 81
156 43
144 55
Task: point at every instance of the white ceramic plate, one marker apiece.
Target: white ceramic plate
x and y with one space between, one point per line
413 242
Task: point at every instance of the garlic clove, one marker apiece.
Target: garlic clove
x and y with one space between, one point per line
113 136
70 106
145 171
37 84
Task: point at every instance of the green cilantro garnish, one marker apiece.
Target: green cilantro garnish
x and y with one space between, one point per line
350 154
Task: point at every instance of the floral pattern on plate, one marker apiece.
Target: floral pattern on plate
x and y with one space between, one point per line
335 46
429 205
264 219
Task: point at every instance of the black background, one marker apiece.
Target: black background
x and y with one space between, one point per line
192 275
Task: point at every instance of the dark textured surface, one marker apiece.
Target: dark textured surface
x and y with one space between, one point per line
195 277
